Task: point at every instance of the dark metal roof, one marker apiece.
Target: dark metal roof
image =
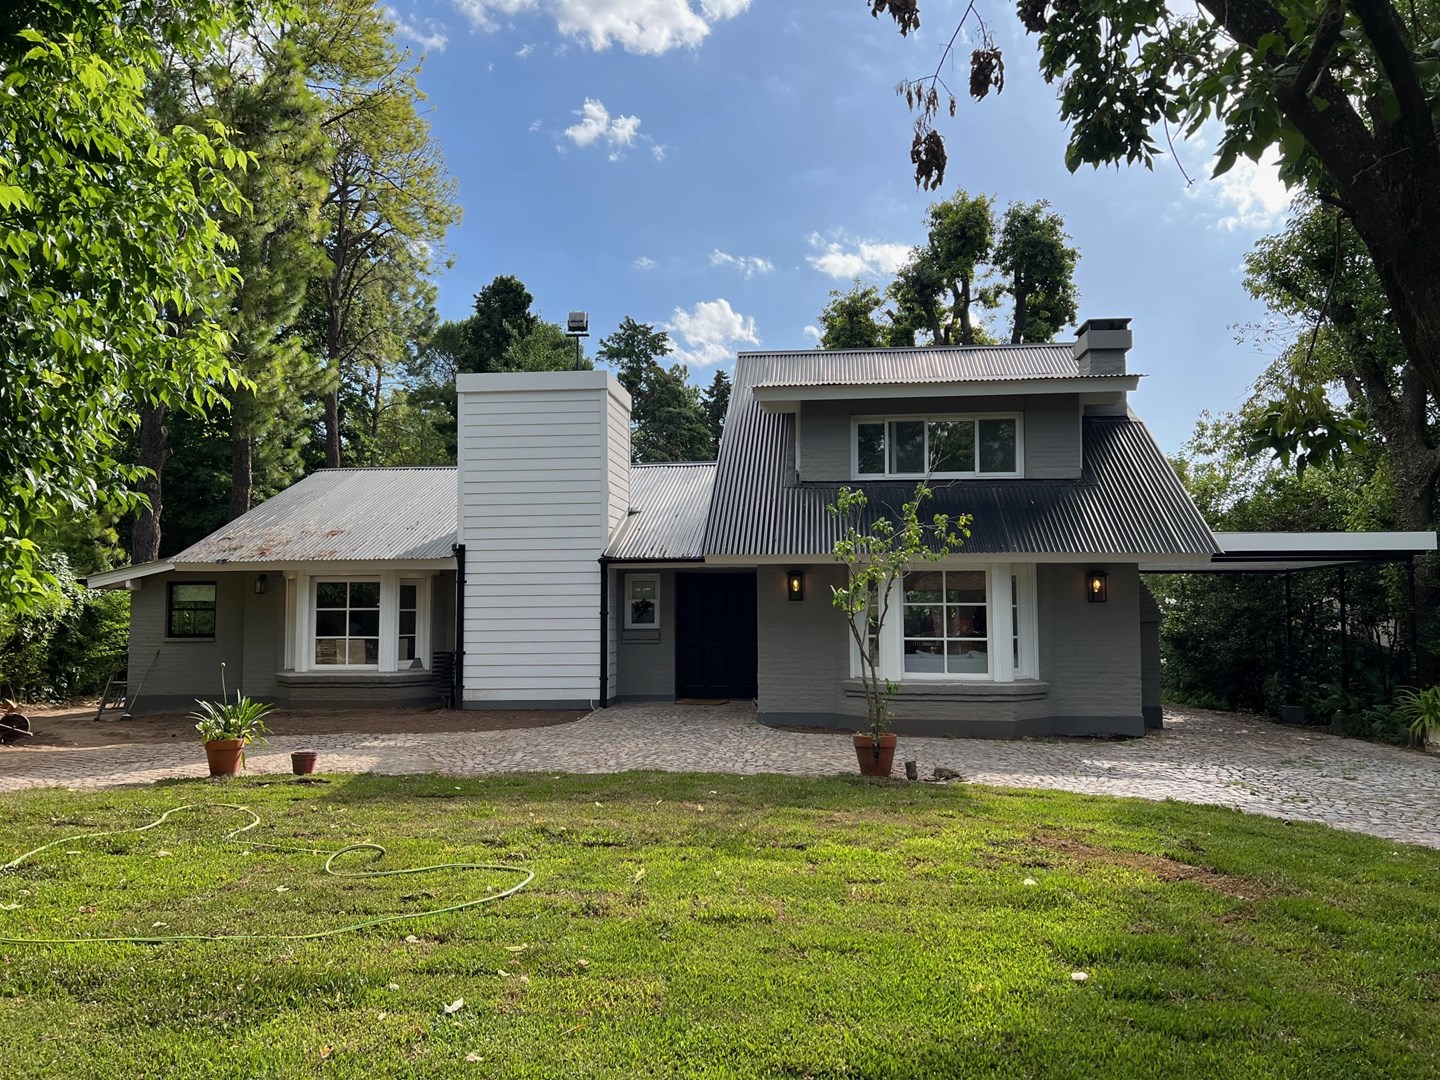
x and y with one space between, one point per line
1128 499
342 514
924 364
669 505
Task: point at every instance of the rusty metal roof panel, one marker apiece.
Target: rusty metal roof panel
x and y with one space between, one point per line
342 515
669 507
923 364
1127 501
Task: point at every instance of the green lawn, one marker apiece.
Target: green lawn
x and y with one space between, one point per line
717 926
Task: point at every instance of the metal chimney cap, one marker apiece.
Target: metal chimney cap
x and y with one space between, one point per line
578 322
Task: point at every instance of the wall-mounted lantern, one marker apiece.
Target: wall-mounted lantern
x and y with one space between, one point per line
260 584
1097 587
795 584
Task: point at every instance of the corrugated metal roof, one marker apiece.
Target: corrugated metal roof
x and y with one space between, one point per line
669 507
1127 501
924 364
342 514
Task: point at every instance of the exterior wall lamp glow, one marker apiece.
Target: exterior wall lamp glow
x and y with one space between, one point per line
1097 586
260 584
795 584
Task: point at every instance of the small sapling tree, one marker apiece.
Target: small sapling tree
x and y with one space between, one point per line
876 557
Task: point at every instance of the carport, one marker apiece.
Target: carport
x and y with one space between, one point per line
1310 552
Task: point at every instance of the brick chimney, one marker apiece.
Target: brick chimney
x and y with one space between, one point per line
1101 345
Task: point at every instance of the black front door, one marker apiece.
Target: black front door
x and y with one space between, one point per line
715 636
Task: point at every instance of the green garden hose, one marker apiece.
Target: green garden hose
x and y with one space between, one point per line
230 838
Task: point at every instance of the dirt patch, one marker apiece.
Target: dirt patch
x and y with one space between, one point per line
1231 885
77 726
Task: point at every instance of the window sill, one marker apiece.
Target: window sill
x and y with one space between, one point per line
186 640
957 690
355 677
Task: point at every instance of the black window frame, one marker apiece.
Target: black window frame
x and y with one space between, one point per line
170 634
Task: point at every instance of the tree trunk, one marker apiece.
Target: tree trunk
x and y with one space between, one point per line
332 429
145 536
375 417
967 329
1022 310
242 472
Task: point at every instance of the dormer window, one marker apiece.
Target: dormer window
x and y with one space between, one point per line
944 447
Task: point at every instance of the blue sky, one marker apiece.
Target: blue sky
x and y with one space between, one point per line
718 166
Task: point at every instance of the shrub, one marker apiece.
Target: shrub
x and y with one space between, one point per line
67 644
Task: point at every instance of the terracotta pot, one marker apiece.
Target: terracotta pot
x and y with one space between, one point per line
875 760
225 756
302 762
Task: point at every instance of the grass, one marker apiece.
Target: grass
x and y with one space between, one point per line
711 926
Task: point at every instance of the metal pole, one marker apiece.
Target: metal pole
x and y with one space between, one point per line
1414 672
1344 637
1289 643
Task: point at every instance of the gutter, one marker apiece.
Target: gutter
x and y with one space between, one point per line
459 691
605 631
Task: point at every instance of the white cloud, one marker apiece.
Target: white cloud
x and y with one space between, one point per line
812 332
644 262
524 51
658 150
637 26
427 33
535 125
710 333
598 128
1254 193
747 265
847 258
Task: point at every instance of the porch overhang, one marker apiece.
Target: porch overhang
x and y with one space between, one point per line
1278 552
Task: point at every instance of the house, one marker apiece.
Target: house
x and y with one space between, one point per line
547 570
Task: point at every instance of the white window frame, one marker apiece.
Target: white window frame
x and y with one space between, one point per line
629 602
422 621
927 419
999 629
313 600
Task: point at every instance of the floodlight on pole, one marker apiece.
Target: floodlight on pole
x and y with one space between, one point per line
577 325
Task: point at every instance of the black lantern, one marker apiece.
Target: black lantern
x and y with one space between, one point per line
1097 588
260 585
795 584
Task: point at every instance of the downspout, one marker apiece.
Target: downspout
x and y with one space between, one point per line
459 550
604 631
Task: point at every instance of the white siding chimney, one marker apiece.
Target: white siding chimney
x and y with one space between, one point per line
544 479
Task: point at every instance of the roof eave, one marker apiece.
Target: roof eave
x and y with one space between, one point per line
114 579
782 398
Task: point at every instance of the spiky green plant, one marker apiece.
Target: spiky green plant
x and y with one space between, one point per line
241 719
1420 709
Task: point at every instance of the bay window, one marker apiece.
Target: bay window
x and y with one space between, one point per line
957 623
375 622
940 446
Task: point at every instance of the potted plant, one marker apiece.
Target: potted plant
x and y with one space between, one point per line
227 727
877 558
1420 709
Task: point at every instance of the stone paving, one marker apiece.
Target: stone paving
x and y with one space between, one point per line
1202 757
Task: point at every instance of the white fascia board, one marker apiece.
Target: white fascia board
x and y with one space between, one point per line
114 579
1322 543
788 398
317 568
512 382
1141 559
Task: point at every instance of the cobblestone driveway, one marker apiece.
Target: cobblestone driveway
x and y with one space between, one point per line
1201 757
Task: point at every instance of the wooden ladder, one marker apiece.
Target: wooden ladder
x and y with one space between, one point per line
116 691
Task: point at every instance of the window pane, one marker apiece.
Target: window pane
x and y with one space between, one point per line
364 594
330 594
923 586
907 450
364 623
925 657
329 624
997 445
965 621
952 446
967 658
965 587
329 650
185 595
872 449
407 622
407 596
924 622
364 651
642 612
407 649
642 589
